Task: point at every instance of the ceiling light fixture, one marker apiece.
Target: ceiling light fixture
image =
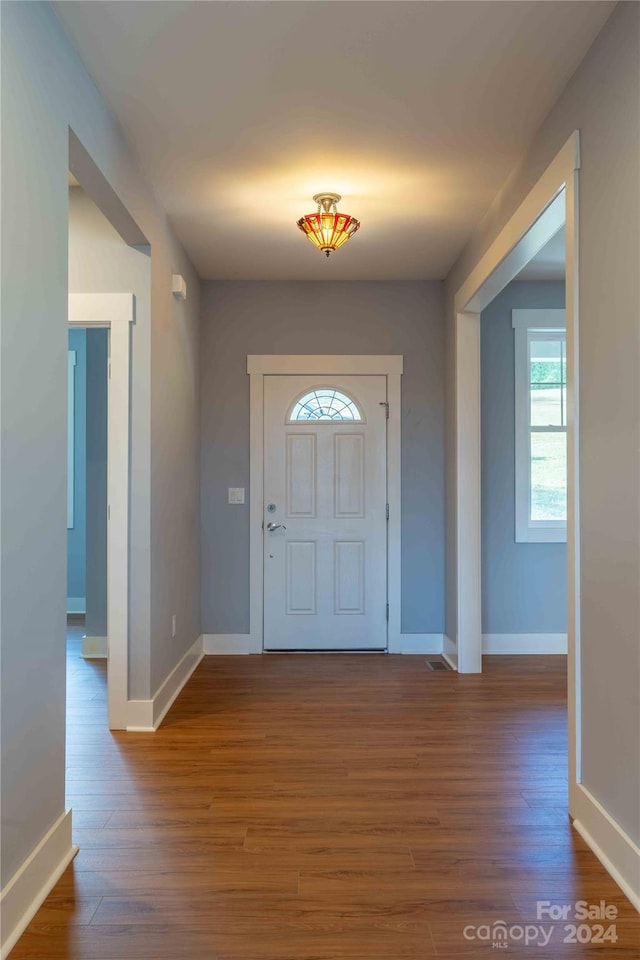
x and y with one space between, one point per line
327 229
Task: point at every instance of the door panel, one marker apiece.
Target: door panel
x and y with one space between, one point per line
325 558
301 577
349 475
301 475
349 571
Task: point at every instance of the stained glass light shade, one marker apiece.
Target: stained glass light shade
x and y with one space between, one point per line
325 403
327 229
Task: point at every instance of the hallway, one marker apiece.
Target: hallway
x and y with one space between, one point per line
325 807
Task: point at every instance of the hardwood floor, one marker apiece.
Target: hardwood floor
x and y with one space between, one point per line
320 808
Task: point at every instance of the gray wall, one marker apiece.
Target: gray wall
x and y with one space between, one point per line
46 91
308 318
602 101
76 535
96 568
524 585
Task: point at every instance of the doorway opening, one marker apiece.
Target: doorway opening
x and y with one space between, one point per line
100 326
550 205
523 460
87 632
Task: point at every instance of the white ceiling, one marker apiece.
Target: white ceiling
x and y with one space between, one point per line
415 112
548 263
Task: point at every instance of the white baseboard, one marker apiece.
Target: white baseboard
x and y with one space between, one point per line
616 851
76 605
416 643
524 643
450 652
95 648
27 890
140 716
224 644
145 716
510 644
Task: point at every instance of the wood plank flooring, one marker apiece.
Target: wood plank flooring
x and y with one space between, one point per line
323 808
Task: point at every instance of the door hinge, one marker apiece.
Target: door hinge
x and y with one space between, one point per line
109 369
387 611
385 404
387 511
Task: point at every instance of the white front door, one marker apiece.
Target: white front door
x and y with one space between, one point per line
325 513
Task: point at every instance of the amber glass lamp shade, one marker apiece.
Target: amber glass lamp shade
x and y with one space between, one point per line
327 229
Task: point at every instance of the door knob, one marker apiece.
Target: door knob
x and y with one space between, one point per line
274 526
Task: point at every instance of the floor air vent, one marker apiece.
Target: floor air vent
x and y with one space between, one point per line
436 665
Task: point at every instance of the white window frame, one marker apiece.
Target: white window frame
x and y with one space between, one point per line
531 325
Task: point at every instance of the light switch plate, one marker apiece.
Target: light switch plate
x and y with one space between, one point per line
236 494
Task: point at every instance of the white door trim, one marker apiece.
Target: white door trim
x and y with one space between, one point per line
551 202
115 311
259 366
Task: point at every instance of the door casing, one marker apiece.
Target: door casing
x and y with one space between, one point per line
259 366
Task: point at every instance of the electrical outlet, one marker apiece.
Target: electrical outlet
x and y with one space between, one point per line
173 625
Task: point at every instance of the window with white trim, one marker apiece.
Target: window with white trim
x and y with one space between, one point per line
541 425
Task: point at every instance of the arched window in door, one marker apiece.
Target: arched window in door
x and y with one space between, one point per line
325 403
